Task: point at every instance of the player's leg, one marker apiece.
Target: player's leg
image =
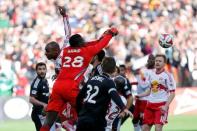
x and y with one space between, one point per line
36 120
146 127
68 114
136 116
136 124
54 105
160 119
148 119
158 127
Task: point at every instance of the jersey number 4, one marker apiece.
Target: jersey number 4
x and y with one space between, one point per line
90 96
76 62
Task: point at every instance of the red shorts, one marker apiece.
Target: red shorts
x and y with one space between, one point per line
140 106
67 113
63 91
153 114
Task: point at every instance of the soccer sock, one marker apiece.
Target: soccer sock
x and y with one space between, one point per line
137 127
45 128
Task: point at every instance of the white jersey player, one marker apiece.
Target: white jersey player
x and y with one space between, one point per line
161 94
142 86
112 113
67 29
52 49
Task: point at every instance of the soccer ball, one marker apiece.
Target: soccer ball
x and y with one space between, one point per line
166 40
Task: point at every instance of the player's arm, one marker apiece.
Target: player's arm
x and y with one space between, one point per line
146 93
171 86
103 41
111 89
128 94
67 28
116 98
33 94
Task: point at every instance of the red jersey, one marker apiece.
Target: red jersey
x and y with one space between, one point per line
75 60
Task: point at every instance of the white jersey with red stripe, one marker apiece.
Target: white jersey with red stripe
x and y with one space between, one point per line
161 85
143 83
113 112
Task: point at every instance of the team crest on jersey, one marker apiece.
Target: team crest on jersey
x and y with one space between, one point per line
154 86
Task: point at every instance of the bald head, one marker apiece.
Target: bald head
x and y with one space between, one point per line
52 50
52 45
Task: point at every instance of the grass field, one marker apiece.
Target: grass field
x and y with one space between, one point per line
176 123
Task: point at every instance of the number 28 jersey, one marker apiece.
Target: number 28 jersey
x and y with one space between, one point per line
75 60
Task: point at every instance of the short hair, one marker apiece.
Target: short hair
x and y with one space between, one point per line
163 56
120 82
40 64
101 55
109 65
122 66
76 40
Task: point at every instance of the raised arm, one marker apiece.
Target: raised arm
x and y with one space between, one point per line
67 28
94 48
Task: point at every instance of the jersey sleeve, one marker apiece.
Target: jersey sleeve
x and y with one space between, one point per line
67 31
171 84
127 89
96 46
34 88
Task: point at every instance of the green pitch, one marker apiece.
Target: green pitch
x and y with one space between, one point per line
176 123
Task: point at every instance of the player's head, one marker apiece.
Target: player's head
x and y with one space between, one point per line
41 69
109 65
76 40
151 61
122 69
52 50
120 82
160 61
99 57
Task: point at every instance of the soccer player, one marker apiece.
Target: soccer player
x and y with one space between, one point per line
126 92
95 96
75 60
52 49
161 94
39 94
113 110
54 52
142 86
95 67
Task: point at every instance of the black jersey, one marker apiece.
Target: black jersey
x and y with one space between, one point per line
40 90
97 70
126 91
95 96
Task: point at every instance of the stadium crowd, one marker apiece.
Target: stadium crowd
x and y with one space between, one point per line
27 25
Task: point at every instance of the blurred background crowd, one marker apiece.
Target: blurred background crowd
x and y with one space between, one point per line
27 25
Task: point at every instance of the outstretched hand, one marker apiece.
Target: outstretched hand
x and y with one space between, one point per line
112 31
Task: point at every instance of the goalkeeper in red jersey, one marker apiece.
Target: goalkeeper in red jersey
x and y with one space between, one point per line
75 61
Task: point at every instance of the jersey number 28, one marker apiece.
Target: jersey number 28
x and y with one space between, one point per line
76 62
